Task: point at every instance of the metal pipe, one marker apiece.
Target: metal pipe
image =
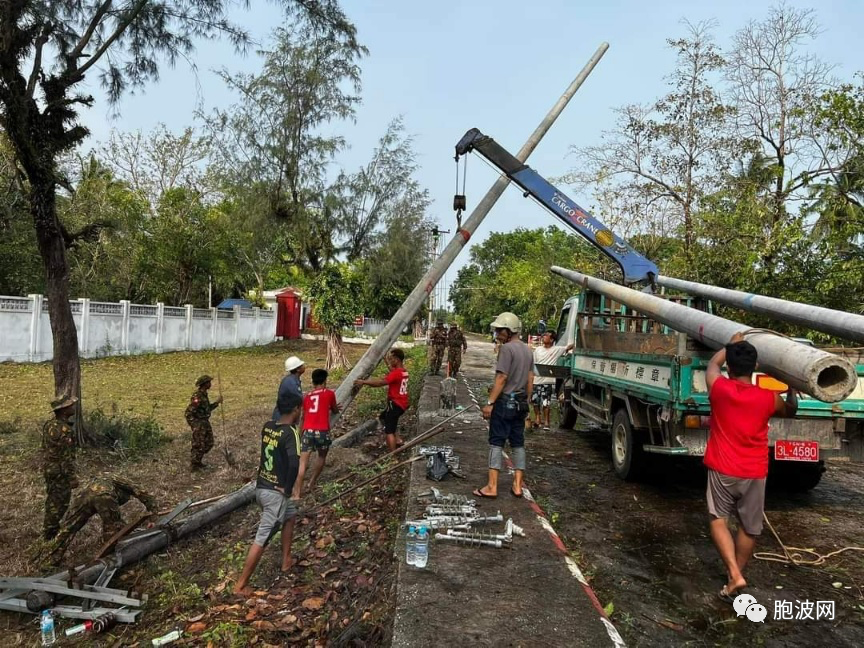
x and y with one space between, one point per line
840 323
346 391
825 376
469 540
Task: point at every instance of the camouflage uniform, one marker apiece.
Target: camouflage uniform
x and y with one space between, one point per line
456 344
437 343
58 466
103 496
198 417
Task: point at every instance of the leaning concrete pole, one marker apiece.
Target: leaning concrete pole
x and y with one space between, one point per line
848 326
346 391
825 376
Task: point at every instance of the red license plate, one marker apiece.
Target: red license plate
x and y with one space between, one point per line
785 450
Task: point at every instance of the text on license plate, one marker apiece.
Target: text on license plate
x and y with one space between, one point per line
786 450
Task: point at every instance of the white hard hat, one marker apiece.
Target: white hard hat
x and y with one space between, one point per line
292 363
508 321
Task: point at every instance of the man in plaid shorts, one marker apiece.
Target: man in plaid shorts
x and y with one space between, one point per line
318 405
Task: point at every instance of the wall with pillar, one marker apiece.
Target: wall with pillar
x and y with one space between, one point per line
109 328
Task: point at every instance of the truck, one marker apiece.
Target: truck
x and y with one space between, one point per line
644 382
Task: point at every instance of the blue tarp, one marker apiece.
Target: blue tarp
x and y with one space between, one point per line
231 303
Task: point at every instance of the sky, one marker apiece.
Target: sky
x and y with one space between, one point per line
498 65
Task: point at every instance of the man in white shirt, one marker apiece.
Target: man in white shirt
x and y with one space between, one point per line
544 388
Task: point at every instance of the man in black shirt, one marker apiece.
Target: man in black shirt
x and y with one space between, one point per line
277 472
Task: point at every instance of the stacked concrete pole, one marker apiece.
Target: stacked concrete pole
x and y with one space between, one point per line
823 375
364 367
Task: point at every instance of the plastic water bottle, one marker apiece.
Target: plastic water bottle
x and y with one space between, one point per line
422 550
47 624
411 546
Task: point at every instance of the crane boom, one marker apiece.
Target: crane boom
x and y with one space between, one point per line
634 266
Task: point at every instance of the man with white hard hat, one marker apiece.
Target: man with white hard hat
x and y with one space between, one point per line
294 368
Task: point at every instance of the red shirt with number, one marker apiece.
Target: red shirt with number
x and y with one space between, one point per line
738 439
317 405
397 387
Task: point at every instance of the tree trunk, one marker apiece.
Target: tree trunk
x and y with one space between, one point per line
336 358
52 249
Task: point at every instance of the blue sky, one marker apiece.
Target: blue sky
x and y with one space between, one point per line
495 64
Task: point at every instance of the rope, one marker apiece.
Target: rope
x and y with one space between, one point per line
797 555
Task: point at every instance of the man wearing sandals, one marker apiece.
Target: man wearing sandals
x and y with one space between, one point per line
737 454
507 406
544 387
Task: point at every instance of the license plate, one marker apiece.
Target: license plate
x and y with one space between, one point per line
786 450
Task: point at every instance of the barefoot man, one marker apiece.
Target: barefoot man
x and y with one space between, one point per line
277 472
737 454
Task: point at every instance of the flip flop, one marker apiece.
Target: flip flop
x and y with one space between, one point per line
479 493
725 596
514 494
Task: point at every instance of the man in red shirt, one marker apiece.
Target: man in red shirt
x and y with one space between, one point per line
397 396
737 454
318 405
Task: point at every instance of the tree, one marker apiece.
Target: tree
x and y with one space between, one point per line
47 50
371 196
333 293
668 155
272 137
772 82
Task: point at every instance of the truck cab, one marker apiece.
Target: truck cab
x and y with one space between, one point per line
645 384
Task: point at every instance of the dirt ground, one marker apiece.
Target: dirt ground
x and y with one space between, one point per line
647 550
341 585
645 546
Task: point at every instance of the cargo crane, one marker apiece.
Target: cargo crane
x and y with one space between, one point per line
638 366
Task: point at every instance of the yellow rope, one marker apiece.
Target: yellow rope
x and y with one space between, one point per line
797 555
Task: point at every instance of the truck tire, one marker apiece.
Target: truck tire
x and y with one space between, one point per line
797 477
628 458
567 414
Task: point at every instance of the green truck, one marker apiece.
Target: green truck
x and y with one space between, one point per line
645 384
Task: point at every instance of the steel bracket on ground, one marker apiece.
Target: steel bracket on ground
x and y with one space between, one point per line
11 588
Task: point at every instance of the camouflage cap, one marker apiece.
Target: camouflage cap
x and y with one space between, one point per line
63 401
203 380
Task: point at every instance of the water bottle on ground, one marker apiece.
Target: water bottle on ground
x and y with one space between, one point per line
47 624
422 550
411 546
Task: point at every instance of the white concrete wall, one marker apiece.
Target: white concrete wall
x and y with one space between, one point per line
122 328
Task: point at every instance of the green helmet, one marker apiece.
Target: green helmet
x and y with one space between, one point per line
508 321
203 380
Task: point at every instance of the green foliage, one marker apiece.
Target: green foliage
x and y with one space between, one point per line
131 435
333 293
227 633
509 271
177 591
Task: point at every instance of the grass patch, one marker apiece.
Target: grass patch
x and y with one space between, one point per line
130 436
227 634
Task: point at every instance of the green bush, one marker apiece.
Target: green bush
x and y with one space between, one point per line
129 435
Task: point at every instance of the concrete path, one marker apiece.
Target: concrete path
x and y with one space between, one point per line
532 594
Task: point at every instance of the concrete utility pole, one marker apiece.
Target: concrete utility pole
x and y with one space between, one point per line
825 376
848 326
346 391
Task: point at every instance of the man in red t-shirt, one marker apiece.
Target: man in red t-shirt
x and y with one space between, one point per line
737 454
318 405
397 396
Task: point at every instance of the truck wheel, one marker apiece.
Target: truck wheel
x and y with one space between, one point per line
797 477
627 454
567 414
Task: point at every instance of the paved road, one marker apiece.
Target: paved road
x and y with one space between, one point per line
476 596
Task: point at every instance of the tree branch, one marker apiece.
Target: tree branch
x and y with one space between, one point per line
37 60
134 12
75 54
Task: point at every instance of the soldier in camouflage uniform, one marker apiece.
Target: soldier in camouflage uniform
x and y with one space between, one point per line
103 496
456 344
198 417
437 344
58 464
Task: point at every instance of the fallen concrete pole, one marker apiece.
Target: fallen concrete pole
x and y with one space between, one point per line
352 436
848 326
161 538
346 391
823 375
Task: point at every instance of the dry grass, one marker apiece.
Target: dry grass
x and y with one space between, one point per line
161 384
